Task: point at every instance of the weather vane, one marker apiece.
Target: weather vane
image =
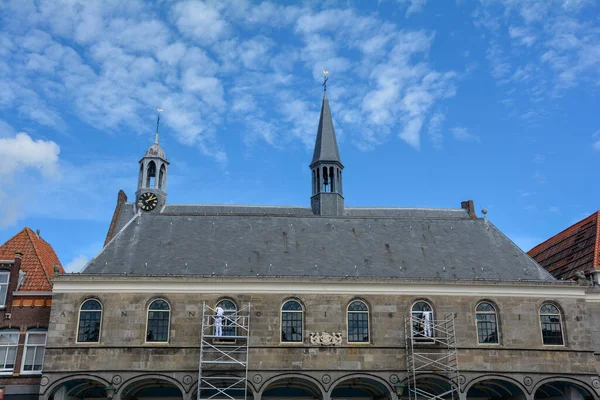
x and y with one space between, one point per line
157 122
325 73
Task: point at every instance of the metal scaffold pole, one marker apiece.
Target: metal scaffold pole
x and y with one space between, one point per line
224 345
431 350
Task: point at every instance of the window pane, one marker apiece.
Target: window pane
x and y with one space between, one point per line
3 289
91 305
159 305
291 326
549 309
358 327
292 305
357 306
485 307
36 338
551 329
4 277
39 358
89 326
158 326
11 357
227 305
487 329
28 362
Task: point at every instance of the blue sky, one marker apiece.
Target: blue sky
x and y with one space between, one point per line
434 102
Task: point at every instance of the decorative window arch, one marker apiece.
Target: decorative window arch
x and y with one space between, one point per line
551 325
422 317
158 321
358 322
292 320
90 322
229 310
487 323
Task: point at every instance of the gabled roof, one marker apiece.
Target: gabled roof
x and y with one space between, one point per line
326 148
38 260
572 250
244 241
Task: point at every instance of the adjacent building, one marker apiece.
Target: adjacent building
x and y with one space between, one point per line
572 253
27 264
322 302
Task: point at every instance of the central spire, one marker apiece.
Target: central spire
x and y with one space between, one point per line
326 165
326 148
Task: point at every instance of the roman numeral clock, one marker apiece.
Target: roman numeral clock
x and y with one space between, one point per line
148 201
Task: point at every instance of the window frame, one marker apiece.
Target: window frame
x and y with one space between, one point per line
3 301
101 311
6 371
367 311
301 312
36 346
423 339
146 341
227 312
496 321
562 328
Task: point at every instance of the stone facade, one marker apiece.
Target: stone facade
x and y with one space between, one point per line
520 358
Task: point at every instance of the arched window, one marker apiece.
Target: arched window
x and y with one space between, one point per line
9 342
487 323
229 317
422 319
551 323
90 321
358 322
151 175
161 177
291 321
33 354
159 316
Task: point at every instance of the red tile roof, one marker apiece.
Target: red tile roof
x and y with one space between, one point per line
574 249
38 260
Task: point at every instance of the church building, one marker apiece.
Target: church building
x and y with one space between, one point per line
320 302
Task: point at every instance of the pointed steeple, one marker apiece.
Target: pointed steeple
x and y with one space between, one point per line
326 148
326 165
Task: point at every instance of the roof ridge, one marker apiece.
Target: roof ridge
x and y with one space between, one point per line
595 260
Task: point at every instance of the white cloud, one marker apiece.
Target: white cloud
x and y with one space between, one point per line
22 152
462 134
435 129
76 264
415 6
200 21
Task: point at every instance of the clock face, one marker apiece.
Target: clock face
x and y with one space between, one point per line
149 201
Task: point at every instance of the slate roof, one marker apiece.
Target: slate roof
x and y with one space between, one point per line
289 241
572 250
326 148
38 260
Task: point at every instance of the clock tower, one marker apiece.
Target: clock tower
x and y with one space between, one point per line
151 193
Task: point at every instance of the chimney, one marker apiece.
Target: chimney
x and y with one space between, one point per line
470 207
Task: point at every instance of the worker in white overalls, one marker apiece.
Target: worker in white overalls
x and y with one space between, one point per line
427 322
219 321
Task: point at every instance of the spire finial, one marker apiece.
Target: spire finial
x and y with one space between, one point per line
159 110
325 73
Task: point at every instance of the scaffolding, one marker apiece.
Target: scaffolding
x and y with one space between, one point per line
431 350
223 367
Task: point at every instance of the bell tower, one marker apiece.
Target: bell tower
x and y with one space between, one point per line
326 166
152 177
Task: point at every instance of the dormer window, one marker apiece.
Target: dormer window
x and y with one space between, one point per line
4 277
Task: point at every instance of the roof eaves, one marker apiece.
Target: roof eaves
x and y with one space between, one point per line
597 241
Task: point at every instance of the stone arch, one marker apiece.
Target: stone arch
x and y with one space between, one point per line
292 385
77 382
361 385
150 386
438 385
495 387
555 387
237 391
